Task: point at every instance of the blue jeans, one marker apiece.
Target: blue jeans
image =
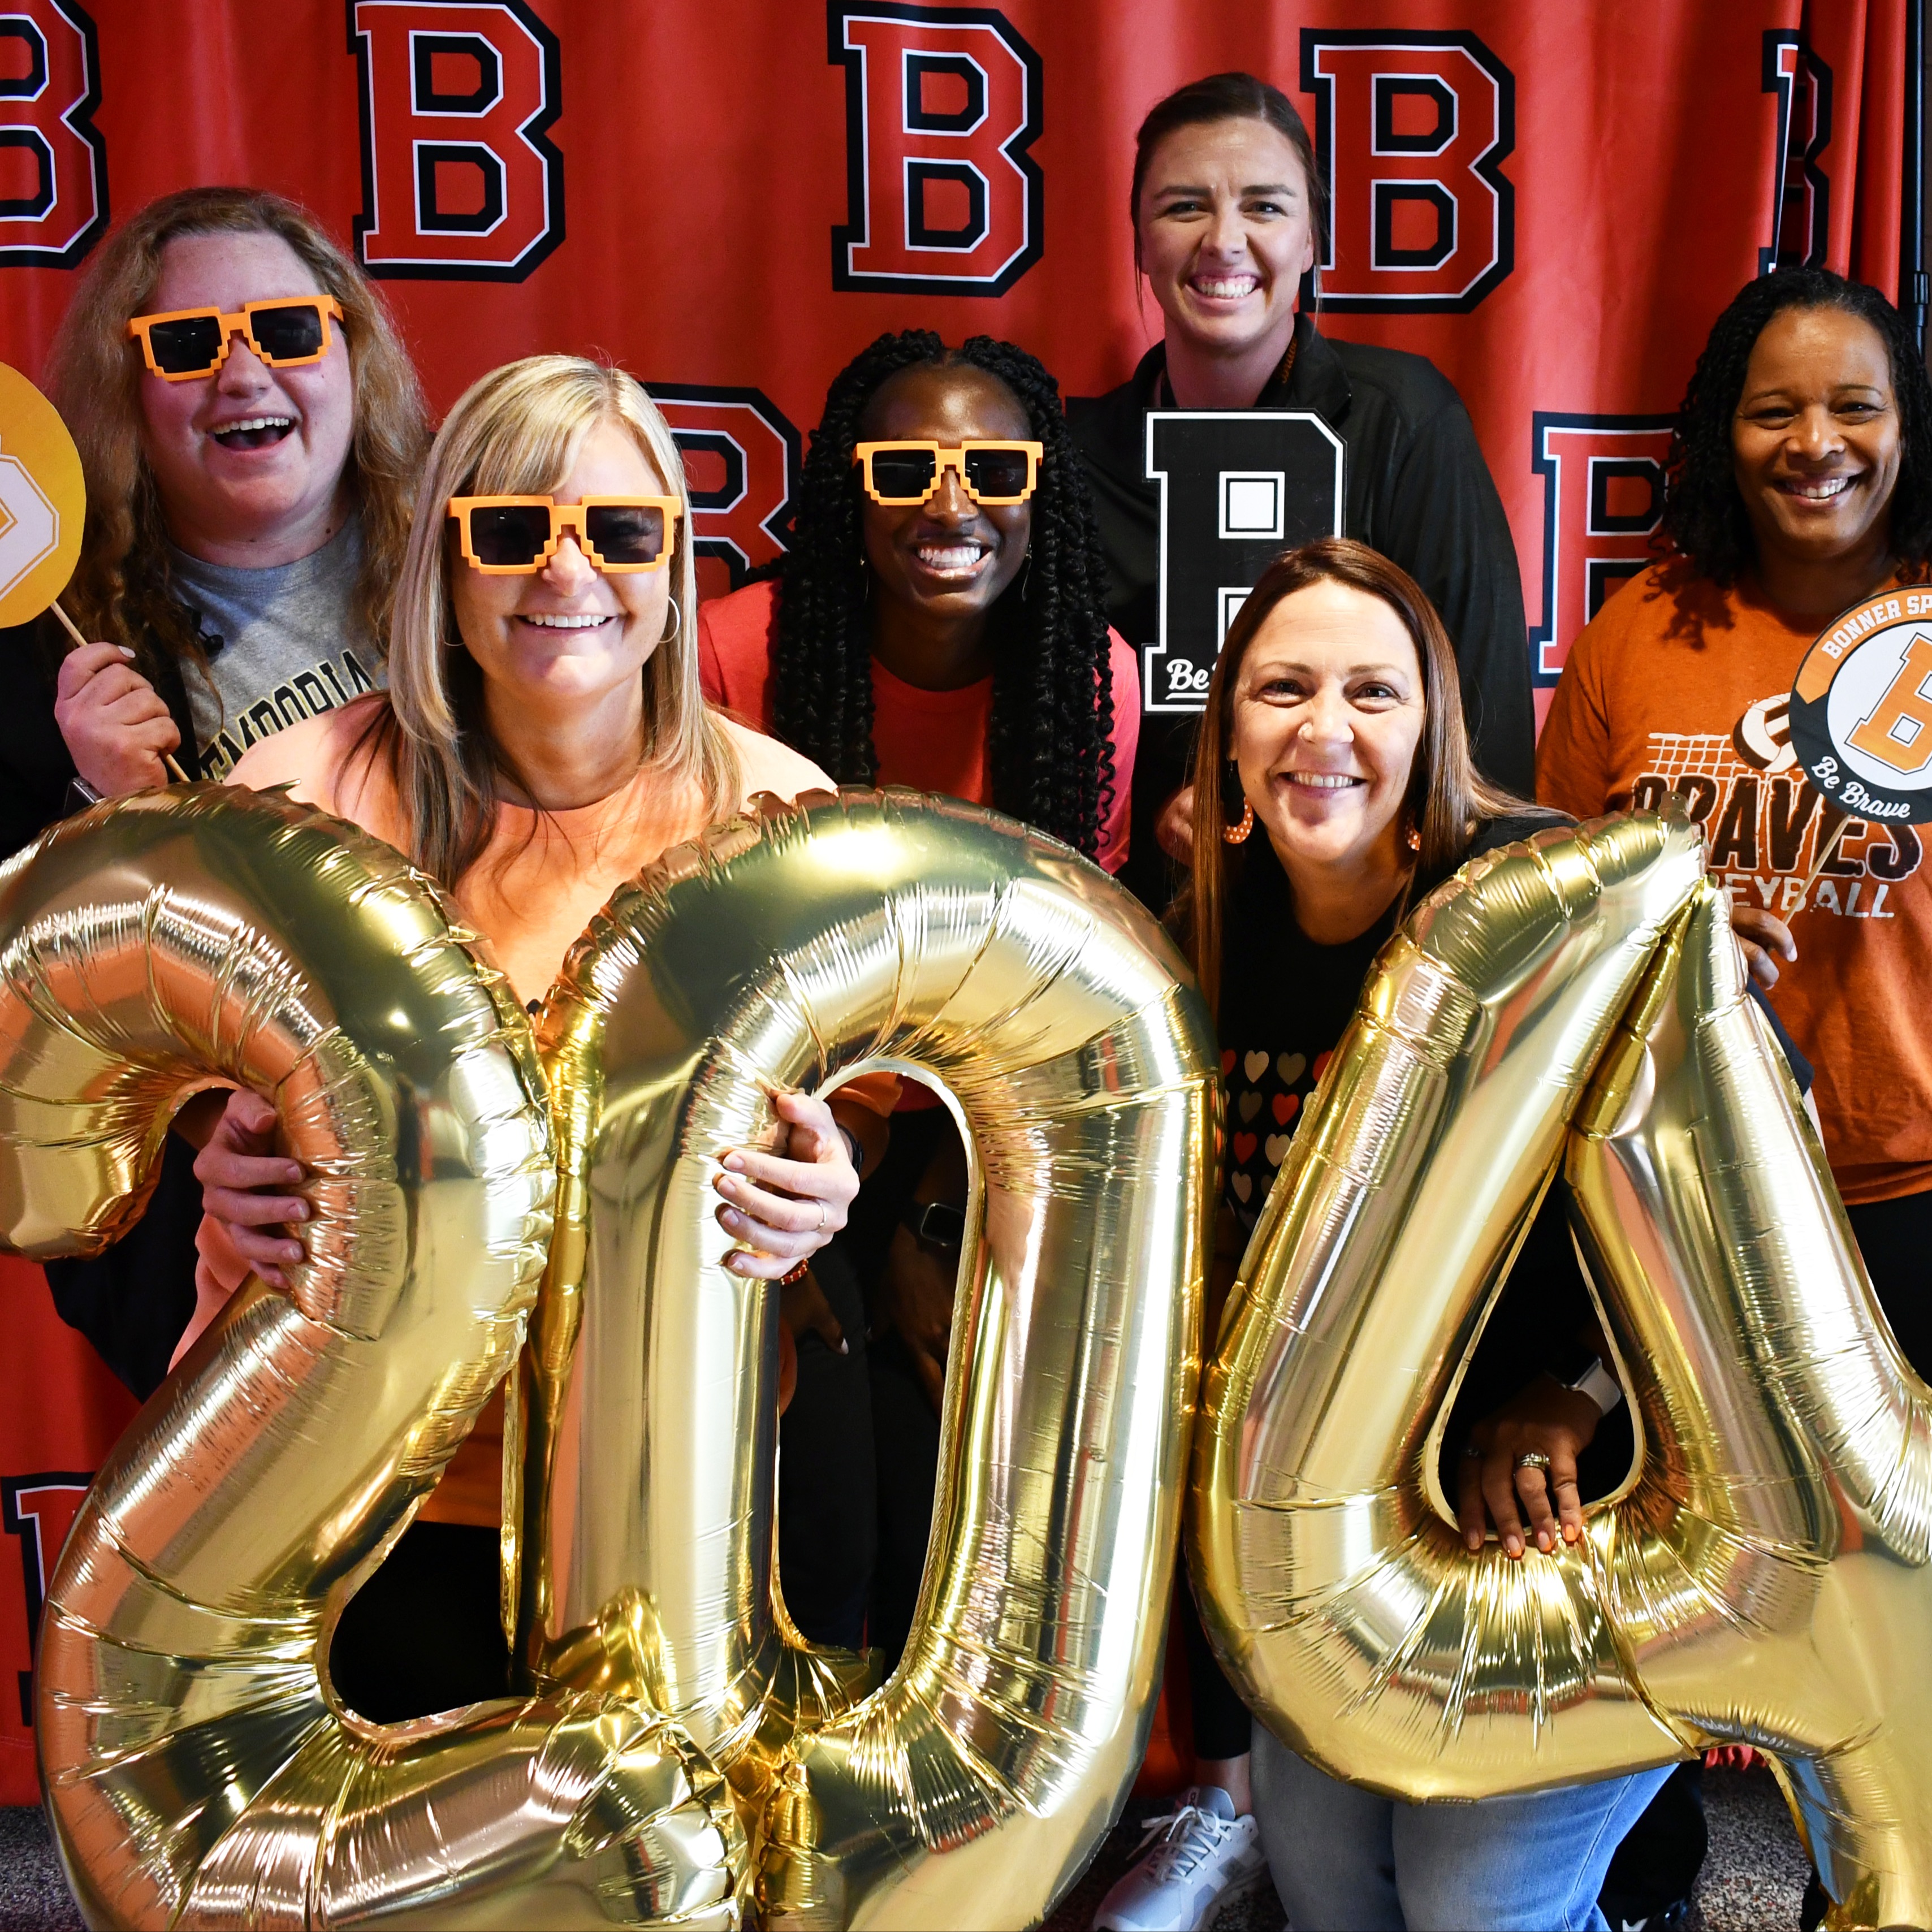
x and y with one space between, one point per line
1344 1860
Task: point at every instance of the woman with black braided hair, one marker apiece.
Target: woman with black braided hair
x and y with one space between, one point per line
939 622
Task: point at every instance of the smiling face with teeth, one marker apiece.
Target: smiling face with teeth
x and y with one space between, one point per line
939 567
251 464
1816 444
1224 234
562 649
1327 716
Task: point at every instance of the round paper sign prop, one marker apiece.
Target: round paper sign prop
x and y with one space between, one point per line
43 500
1861 709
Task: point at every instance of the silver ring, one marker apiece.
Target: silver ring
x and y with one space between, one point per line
1532 1459
820 1228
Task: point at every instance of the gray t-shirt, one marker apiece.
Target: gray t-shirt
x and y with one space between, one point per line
283 644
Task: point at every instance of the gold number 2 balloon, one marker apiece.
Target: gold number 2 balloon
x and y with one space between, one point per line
1578 1002
198 1770
905 932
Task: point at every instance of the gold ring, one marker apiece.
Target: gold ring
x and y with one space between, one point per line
1532 1459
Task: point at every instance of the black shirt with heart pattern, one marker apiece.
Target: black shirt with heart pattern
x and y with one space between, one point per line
1285 1002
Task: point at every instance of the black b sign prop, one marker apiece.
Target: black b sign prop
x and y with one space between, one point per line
1237 487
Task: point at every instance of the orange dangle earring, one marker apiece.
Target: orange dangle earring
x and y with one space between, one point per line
1236 834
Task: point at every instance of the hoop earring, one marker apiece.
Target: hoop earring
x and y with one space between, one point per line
1238 835
1026 575
676 622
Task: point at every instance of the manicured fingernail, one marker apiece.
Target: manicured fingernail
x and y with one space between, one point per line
735 1162
299 1210
1543 1539
1474 1542
291 1251
1514 1547
731 1217
125 650
842 1348
293 1172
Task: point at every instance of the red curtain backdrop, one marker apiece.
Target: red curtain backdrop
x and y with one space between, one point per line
731 197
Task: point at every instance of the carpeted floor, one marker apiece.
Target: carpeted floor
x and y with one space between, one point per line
1752 1882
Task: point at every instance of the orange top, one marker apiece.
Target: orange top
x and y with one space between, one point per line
931 740
1678 685
533 891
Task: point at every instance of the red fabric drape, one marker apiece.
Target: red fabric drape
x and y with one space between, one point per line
732 197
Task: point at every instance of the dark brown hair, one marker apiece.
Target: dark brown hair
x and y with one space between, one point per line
1229 97
120 591
1447 798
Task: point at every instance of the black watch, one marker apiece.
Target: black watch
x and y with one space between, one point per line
934 1223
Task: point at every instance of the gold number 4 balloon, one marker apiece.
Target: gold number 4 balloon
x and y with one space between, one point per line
1577 1002
198 1769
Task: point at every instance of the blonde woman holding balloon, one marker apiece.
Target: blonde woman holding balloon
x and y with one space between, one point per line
543 738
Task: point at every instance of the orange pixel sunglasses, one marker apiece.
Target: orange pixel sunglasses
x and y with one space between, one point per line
505 536
992 471
188 344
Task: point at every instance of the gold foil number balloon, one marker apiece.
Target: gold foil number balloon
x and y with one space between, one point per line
1578 1002
197 1771
899 932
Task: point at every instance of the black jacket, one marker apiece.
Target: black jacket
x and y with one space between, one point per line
133 1301
36 767
1416 489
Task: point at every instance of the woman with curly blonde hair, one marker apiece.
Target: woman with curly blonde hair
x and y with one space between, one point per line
251 429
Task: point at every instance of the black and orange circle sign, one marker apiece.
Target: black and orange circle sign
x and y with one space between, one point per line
1861 709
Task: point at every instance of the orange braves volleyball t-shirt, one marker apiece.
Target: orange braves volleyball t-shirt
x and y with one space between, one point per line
1679 686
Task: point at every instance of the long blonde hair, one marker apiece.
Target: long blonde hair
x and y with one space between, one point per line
1448 797
516 432
120 591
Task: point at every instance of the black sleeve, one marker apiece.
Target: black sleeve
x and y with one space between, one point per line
35 767
1444 523
134 1302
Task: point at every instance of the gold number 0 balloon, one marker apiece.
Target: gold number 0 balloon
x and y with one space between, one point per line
196 1770
903 931
1766 1579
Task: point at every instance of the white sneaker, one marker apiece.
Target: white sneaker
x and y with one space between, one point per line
1195 1857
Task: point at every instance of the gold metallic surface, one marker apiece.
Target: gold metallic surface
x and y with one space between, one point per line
876 930
196 1768
1578 1002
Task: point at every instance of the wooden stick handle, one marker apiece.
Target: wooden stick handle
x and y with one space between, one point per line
73 629
1823 859
73 632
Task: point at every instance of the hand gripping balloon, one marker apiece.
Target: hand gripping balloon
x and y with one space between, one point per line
1577 1001
197 1770
900 931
